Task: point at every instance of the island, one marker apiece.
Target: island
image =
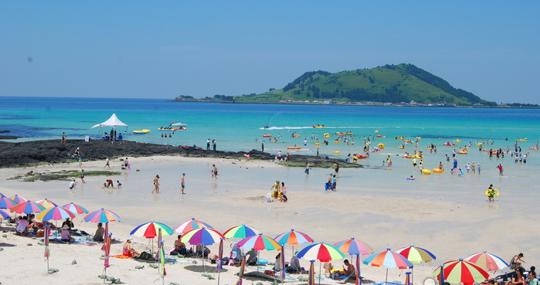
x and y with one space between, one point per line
400 85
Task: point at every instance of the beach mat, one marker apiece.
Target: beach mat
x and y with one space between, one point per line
257 275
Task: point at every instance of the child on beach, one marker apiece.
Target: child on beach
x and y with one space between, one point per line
214 171
72 184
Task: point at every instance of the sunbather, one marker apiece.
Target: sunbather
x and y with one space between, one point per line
127 250
345 273
98 236
179 247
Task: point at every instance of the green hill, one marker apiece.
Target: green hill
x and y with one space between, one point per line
400 83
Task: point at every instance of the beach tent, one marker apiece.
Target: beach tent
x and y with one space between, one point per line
113 121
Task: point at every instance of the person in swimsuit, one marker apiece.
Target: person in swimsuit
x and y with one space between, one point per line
183 183
155 181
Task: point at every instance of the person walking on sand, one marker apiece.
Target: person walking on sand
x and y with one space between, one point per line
156 184
306 170
214 171
82 176
501 169
183 183
107 163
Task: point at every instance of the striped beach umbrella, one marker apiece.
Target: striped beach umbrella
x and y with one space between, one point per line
17 199
416 255
388 259
354 246
240 232
27 207
190 225
6 203
358 248
202 236
150 230
258 243
54 214
293 238
461 272
4 215
488 261
75 208
46 203
101 216
323 252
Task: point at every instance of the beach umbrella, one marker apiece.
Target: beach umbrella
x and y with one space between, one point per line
46 203
323 252
461 272
150 230
355 247
190 225
6 203
17 199
2 195
258 243
4 215
488 261
416 255
27 207
101 216
240 232
292 238
388 259
55 214
75 208
202 236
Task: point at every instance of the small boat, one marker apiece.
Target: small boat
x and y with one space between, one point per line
294 147
266 135
141 132
319 126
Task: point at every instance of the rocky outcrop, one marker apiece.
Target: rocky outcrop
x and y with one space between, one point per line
53 151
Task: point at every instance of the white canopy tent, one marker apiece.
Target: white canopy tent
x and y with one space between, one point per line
113 121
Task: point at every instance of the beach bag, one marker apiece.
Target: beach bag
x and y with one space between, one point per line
146 256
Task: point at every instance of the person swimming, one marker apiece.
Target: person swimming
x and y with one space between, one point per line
411 178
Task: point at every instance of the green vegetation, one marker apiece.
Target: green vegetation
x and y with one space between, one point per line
60 175
403 83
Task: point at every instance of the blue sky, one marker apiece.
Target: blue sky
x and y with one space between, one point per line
160 49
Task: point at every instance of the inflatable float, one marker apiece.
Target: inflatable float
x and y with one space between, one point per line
426 171
380 146
463 151
267 136
141 132
437 170
497 193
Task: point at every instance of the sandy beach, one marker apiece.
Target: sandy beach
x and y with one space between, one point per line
444 213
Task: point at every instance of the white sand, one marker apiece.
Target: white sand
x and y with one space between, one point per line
443 213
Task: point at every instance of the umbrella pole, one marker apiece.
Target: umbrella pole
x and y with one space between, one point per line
386 277
320 266
358 276
412 276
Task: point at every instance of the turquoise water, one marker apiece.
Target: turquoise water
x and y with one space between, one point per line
238 126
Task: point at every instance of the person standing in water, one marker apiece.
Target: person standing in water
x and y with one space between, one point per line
183 183
306 170
156 184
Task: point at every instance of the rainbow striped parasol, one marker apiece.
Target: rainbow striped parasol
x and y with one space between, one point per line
101 216
54 214
6 203
4 215
416 255
27 207
354 246
293 238
323 252
190 225
202 236
240 232
46 203
258 242
151 229
75 208
17 199
389 259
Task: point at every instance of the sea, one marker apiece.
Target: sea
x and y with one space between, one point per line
242 126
